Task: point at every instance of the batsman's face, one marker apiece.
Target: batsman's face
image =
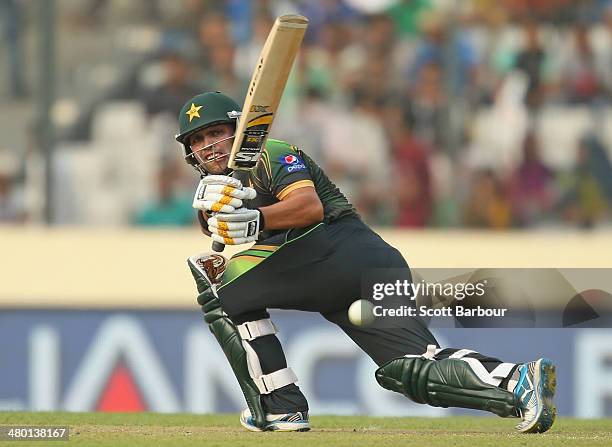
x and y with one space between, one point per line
211 147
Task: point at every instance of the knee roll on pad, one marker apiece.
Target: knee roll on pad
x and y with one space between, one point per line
444 383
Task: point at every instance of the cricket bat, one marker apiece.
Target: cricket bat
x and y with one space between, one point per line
264 93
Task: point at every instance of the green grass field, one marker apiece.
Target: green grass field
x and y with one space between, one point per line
146 429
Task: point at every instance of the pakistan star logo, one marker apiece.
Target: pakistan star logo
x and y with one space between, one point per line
193 112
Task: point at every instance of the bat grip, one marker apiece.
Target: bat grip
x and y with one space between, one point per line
218 246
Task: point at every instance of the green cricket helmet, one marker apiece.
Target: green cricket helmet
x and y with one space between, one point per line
203 110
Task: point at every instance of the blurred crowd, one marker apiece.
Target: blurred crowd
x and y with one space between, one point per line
475 113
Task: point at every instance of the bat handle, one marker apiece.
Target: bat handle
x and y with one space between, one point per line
218 246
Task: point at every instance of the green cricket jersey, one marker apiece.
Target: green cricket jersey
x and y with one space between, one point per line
283 168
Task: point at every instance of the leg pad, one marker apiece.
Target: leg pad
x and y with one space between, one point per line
229 338
444 383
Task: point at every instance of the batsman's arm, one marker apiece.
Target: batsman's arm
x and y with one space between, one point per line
298 209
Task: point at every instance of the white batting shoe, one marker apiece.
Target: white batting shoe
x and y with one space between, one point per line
277 422
535 391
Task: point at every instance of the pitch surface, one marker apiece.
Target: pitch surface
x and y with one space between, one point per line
147 429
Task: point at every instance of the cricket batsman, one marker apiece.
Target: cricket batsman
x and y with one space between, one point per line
310 252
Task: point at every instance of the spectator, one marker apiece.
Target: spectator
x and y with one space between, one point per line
172 206
590 192
320 13
247 53
406 15
428 106
531 189
222 75
176 86
360 162
318 121
329 66
10 24
414 201
414 204
531 60
557 11
488 205
372 54
582 82
494 40
445 49
380 40
603 49
214 30
12 207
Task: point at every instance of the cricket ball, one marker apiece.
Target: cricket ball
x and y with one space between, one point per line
361 313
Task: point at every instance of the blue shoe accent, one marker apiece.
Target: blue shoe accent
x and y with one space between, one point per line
535 391
246 420
277 422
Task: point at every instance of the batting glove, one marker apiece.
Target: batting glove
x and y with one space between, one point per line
240 227
221 193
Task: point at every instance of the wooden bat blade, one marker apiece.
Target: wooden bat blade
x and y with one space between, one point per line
265 90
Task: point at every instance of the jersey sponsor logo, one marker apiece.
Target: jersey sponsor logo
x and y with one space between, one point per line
292 162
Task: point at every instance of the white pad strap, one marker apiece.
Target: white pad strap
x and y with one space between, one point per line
502 370
431 352
461 353
273 381
494 377
255 329
481 371
266 383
